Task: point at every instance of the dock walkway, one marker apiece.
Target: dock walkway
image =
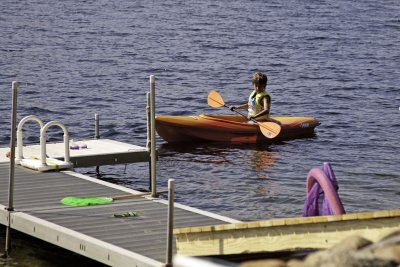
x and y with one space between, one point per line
93 231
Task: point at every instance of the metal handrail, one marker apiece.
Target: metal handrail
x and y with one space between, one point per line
20 155
43 141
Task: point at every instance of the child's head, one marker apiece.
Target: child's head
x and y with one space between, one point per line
259 80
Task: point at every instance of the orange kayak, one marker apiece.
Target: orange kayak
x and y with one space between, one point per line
228 128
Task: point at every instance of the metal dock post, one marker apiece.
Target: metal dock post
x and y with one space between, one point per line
148 141
97 135
170 224
153 137
148 118
97 126
10 207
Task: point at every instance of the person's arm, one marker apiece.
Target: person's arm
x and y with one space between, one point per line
243 106
267 106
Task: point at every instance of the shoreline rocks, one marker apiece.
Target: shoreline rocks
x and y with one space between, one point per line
353 251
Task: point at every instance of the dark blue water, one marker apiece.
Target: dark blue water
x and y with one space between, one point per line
337 61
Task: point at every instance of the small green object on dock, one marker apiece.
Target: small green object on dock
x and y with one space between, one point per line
127 214
86 201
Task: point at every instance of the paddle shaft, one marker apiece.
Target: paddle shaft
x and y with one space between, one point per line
240 113
268 129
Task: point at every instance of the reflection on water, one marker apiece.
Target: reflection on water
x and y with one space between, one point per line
262 159
233 175
259 156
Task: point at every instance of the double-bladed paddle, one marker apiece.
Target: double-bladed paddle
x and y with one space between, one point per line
268 129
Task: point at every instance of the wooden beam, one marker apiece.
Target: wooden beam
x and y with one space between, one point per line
284 234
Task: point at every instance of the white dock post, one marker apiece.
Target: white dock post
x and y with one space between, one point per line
43 147
148 120
153 137
170 225
97 126
97 135
148 141
10 207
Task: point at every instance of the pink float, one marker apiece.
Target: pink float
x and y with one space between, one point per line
322 181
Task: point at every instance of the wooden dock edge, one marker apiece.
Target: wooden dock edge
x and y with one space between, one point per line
285 234
74 241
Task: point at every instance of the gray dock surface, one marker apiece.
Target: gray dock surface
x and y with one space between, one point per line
98 152
93 231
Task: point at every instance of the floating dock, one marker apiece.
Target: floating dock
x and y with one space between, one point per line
30 198
93 231
97 152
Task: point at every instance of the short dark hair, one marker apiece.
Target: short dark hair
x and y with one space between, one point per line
259 78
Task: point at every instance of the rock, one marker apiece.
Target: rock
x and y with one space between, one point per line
354 251
295 263
338 255
385 250
264 263
391 253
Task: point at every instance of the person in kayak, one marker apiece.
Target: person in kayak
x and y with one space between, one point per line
259 102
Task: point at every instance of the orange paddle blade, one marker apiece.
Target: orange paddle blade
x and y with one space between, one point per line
269 129
215 100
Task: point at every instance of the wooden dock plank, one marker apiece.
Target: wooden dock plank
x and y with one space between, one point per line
285 234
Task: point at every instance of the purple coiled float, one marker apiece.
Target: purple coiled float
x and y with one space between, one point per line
322 181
